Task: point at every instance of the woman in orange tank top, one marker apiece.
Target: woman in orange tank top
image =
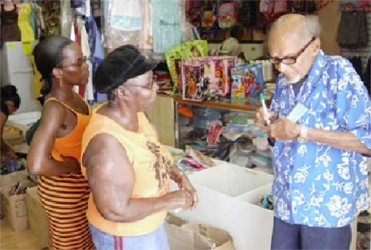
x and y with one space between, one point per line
129 171
56 146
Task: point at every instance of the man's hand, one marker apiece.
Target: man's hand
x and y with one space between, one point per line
283 129
261 119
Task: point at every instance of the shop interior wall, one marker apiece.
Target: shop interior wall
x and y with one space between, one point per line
329 18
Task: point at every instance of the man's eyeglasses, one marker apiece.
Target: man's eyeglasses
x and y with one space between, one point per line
149 85
288 60
78 63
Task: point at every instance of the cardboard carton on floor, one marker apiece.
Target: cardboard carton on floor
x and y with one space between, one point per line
12 178
193 236
36 217
15 207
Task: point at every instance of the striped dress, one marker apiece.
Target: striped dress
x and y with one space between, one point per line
65 197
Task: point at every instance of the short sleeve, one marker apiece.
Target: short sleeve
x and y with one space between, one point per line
353 107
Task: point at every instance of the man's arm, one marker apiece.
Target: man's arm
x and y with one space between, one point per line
284 129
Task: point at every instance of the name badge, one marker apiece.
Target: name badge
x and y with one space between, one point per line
297 112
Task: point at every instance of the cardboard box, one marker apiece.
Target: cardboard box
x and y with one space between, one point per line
15 207
193 236
12 178
36 217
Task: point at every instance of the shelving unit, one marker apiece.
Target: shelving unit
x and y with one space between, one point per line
166 117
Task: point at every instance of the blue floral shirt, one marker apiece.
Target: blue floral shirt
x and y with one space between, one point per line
315 184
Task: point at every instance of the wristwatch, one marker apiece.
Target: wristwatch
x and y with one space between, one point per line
303 137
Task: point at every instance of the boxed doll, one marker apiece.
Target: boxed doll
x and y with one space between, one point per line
254 80
214 79
237 82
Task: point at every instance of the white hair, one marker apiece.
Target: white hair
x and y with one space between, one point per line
312 26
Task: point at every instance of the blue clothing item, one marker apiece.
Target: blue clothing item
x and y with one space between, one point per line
287 236
95 45
316 184
166 25
157 240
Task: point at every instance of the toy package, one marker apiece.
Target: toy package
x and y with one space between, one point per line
237 84
174 56
214 78
254 81
192 82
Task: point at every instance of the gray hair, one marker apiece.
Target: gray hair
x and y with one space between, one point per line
312 26
306 27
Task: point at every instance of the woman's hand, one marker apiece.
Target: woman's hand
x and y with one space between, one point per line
179 199
185 184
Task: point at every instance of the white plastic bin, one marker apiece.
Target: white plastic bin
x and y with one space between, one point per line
23 121
227 199
230 179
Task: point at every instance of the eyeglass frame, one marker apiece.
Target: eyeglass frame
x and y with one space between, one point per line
83 59
149 85
276 60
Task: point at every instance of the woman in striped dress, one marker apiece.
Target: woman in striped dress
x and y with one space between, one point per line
56 146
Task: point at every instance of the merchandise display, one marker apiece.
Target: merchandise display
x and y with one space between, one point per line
204 112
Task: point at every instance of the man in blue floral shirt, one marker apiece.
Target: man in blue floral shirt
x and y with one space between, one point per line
320 119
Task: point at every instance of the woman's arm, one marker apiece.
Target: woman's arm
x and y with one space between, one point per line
39 158
111 179
6 150
183 182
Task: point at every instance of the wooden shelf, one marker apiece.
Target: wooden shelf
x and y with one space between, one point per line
246 105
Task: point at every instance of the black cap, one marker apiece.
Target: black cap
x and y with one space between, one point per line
122 64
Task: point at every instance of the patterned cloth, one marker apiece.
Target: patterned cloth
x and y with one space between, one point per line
315 184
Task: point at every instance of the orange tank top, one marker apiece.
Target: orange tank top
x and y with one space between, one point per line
151 163
70 145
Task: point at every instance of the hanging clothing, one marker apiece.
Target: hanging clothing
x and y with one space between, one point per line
64 197
367 76
32 20
357 64
9 25
84 44
24 24
37 83
51 10
40 26
167 30
352 32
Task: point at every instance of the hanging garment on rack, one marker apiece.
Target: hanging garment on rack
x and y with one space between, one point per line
9 26
66 18
367 76
126 15
166 25
130 32
357 64
91 31
96 49
24 25
37 83
352 32
39 21
52 15
32 19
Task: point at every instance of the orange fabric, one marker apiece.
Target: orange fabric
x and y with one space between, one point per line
70 145
65 197
151 163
